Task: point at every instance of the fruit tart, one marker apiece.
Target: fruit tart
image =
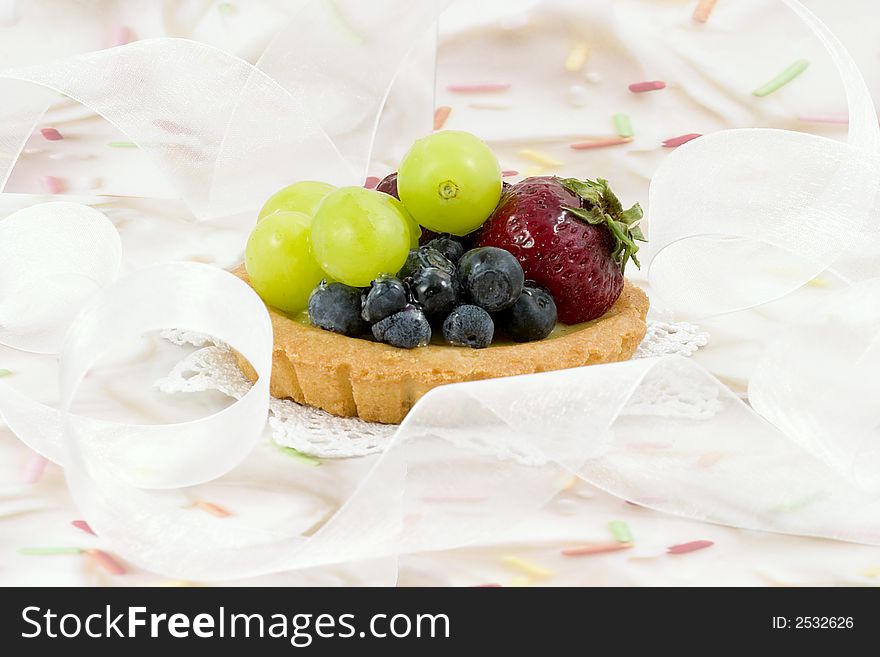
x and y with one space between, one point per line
441 274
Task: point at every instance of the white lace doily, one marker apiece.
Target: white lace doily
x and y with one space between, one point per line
318 433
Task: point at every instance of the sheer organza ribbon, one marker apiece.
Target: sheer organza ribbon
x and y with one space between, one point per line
771 210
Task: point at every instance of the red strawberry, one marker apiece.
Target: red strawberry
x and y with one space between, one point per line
571 236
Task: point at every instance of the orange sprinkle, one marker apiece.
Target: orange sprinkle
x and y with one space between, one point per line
571 483
214 509
440 115
600 143
703 9
600 548
107 562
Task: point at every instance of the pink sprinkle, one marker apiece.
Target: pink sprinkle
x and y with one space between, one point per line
840 119
34 468
371 182
52 184
440 115
601 548
674 142
650 85
490 585
683 548
600 143
121 36
507 173
51 134
84 526
479 87
107 562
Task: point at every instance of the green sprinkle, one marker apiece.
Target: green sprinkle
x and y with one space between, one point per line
783 78
295 453
5 372
49 551
620 531
623 125
122 144
226 8
799 503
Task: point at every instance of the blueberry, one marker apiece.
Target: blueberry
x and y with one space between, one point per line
425 256
406 329
532 317
388 184
450 247
469 326
490 278
434 289
337 307
387 296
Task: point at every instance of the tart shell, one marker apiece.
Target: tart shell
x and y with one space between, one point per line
380 383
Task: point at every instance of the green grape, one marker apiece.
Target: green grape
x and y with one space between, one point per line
303 196
280 262
359 233
450 182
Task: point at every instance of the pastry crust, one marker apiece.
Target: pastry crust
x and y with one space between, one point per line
380 383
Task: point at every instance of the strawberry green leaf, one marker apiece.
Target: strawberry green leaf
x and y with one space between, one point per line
601 206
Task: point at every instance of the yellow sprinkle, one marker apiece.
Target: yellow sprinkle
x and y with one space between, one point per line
520 581
527 567
177 583
818 282
534 171
577 57
872 572
571 483
539 158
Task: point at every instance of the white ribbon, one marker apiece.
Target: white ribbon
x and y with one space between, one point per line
471 458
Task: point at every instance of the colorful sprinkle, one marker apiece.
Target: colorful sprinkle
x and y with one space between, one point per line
122 35
51 134
620 531
488 585
590 144
577 57
526 566
703 9
601 548
675 142
441 114
295 453
52 184
508 173
539 158
48 551
571 483
840 119
371 182
649 85
122 144
872 572
84 526
684 548
107 562
479 87
782 79
34 468
5 372
214 509
623 125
